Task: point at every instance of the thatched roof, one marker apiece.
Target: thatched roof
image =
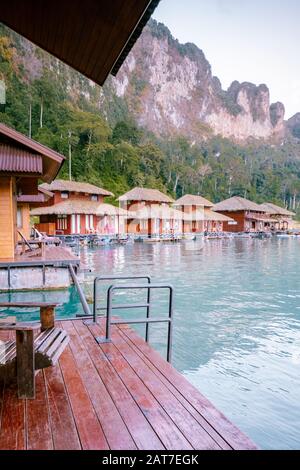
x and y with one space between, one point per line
273 209
237 203
70 206
193 200
155 211
145 194
45 191
216 217
75 186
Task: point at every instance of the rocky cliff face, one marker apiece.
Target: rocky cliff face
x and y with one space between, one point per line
170 89
293 125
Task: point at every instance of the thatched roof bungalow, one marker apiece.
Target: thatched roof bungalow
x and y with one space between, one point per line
81 217
198 214
153 214
249 216
281 218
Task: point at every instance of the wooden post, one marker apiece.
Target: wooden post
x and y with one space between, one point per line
47 316
43 249
25 364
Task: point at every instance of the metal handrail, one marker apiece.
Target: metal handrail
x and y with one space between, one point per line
83 301
148 320
117 278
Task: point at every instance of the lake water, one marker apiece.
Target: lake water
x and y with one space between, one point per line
236 323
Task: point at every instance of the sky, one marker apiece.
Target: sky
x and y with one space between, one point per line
256 41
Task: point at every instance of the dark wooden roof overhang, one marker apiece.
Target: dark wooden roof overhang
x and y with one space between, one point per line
94 37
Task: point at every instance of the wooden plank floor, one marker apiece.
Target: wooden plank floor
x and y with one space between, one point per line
52 253
122 395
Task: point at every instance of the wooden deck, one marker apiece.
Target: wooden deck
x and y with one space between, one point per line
53 255
120 396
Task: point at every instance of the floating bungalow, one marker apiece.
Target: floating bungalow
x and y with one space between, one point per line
78 209
198 216
153 214
23 162
280 218
247 215
25 263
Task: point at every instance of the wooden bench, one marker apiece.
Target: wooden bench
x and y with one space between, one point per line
29 353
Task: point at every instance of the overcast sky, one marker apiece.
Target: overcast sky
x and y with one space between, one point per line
246 40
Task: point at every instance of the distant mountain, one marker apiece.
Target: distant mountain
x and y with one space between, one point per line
169 87
293 125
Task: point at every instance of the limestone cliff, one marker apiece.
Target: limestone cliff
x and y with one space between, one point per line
169 87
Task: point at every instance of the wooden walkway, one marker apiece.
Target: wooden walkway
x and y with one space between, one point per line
53 254
120 396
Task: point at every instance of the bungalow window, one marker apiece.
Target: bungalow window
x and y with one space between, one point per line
94 197
62 222
64 194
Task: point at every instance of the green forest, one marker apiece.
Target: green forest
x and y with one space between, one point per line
104 145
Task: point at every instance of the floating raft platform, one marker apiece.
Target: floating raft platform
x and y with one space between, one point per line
30 271
119 395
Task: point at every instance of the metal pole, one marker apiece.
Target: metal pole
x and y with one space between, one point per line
108 314
170 326
148 313
95 301
84 303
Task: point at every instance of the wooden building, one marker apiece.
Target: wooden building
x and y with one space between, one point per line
193 208
75 208
214 221
152 210
248 216
199 216
22 163
281 219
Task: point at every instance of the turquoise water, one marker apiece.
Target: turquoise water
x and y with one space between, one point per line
236 327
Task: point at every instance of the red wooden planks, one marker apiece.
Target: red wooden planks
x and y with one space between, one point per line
138 426
186 423
63 427
199 418
12 435
121 395
235 438
105 408
90 432
39 435
169 434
